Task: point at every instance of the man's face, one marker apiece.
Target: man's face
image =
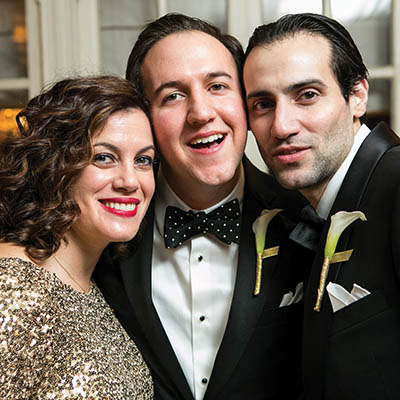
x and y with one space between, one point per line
198 113
303 125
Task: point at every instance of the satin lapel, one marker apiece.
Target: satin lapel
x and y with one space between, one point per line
137 281
316 324
380 140
246 308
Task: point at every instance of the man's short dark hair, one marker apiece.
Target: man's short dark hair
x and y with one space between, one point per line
346 61
175 23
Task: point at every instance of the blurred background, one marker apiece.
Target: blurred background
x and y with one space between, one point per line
45 40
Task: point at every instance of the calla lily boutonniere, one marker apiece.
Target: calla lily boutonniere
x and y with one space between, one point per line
339 222
260 226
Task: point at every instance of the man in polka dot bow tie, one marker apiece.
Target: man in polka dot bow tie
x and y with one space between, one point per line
190 305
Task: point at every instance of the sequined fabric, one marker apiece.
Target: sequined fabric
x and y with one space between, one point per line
57 343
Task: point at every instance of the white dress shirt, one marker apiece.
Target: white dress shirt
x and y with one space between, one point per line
328 197
192 289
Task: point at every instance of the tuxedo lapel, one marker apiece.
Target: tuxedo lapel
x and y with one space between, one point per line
136 278
380 140
316 324
246 308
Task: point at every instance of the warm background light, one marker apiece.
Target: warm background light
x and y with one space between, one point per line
7 121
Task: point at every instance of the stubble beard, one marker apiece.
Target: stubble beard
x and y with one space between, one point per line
323 168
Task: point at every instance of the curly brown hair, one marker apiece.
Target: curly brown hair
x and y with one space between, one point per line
39 165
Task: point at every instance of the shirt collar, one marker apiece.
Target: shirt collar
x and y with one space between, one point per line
328 197
165 196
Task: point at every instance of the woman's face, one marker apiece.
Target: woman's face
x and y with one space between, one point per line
114 191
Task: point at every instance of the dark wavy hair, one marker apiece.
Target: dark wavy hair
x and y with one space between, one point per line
175 23
346 61
39 165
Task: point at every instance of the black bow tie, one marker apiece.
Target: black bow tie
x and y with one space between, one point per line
308 230
223 222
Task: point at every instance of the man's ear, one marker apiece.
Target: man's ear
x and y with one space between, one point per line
359 98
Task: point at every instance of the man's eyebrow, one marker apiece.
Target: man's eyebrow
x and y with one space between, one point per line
167 85
177 83
308 82
218 74
288 89
258 93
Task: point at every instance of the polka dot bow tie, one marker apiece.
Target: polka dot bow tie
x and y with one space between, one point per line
223 222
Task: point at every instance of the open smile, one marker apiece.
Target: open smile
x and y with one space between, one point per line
207 142
123 207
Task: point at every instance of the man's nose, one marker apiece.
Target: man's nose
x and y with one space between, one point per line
285 122
201 108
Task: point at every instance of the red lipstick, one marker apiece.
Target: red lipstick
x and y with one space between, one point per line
122 206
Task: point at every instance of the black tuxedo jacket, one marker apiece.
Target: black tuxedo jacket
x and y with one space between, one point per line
355 352
259 357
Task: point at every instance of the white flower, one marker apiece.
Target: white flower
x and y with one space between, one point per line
339 222
260 226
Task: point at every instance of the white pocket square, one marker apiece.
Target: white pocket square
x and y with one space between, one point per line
290 298
340 297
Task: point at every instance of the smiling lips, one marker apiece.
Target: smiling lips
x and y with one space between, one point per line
206 141
289 154
123 207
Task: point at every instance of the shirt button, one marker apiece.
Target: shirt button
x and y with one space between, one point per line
200 258
202 318
204 380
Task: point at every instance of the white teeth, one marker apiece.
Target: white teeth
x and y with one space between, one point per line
207 139
121 206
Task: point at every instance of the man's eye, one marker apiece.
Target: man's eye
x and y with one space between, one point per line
171 97
144 162
308 95
262 105
217 87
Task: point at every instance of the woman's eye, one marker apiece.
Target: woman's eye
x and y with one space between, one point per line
103 159
144 162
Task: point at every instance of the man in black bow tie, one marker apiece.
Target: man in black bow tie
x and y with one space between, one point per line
186 295
307 90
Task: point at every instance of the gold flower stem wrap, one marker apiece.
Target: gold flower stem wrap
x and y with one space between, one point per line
260 226
339 222
322 282
258 274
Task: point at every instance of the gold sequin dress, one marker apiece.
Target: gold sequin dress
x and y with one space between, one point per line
57 343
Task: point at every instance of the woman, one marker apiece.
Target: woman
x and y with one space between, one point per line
78 177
